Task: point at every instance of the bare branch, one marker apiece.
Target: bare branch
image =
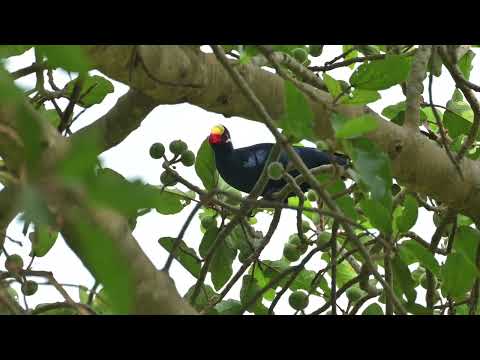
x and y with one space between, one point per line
415 86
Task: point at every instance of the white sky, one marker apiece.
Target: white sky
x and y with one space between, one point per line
191 124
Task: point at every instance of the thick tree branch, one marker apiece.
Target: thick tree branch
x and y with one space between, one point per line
125 117
8 210
417 161
415 86
153 291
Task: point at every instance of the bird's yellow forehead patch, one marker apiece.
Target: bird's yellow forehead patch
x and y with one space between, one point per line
218 130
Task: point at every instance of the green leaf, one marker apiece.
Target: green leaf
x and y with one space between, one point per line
466 242
135 195
9 92
462 310
378 215
223 186
205 166
402 276
289 49
68 57
237 240
94 89
35 207
303 281
345 202
361 97
80 161
370 49
373 309
102 304
182 195
246 53
205 296
345 273
12 50
297 119
465 64
43 239
463 220
392 111
458 275
12 292
411 248
338 121
107 263
416 309
164 202
381 74
457 96
314 216
207 241
56 311
51 115
262 281
455 124
228 48
229 307
409 215
185 255
460 107
333 86
221 265
83 294
350 55
396 113
357 127
249 289
458 118
373 168
460 271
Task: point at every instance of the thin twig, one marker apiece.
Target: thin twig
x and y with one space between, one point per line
333 286
447 219
59 305
348 62
179 238
49 276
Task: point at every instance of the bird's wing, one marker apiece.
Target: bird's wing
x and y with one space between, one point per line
254 156
313 157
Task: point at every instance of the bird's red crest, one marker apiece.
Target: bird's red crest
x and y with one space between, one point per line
215 139
216 134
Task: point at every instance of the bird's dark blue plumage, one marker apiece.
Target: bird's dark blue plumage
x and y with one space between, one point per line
242 167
